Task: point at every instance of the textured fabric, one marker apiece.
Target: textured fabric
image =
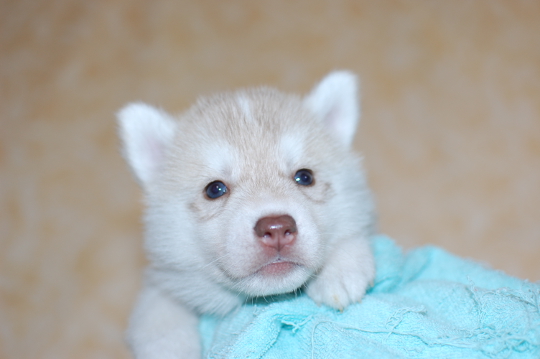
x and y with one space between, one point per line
425 304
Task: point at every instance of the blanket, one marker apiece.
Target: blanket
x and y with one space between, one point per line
426 303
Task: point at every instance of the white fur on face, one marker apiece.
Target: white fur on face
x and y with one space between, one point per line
245 107
257 189
218 160
291 149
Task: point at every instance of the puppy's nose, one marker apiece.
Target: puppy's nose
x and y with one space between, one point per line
276 232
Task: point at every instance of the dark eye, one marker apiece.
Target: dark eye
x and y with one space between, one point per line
304 177
215 189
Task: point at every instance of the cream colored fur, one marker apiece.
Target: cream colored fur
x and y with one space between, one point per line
204 253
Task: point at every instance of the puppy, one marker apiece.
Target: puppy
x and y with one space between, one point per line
248 193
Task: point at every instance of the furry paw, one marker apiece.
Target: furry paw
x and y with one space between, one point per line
340 284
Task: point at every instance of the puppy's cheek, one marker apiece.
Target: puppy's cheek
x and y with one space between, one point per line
319 194
236 249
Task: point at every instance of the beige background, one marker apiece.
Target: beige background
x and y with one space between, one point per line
450 133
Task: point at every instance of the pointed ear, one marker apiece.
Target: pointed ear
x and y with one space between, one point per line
146 134
334 100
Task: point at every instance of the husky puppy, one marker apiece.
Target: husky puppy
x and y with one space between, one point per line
249 193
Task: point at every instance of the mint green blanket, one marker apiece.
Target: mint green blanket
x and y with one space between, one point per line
424 304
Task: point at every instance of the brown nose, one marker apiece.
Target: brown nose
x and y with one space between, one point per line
276 232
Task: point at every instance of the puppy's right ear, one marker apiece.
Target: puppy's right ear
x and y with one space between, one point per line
146 133
334 100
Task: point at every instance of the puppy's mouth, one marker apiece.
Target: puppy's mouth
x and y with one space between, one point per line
277 267
274 276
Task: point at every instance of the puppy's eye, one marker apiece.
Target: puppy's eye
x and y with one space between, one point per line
304 177
215 189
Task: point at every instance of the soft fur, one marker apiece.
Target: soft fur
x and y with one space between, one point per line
205 256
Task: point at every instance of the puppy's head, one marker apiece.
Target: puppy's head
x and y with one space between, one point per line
251 188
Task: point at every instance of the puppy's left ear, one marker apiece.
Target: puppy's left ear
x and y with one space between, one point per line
335 101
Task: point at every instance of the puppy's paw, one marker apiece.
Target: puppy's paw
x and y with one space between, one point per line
343 282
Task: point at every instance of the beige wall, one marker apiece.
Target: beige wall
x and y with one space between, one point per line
450 133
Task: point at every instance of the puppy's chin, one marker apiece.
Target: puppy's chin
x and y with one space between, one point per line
274 278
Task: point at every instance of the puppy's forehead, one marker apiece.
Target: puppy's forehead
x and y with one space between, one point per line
232 161
261 129
271 130
219 158
245 104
